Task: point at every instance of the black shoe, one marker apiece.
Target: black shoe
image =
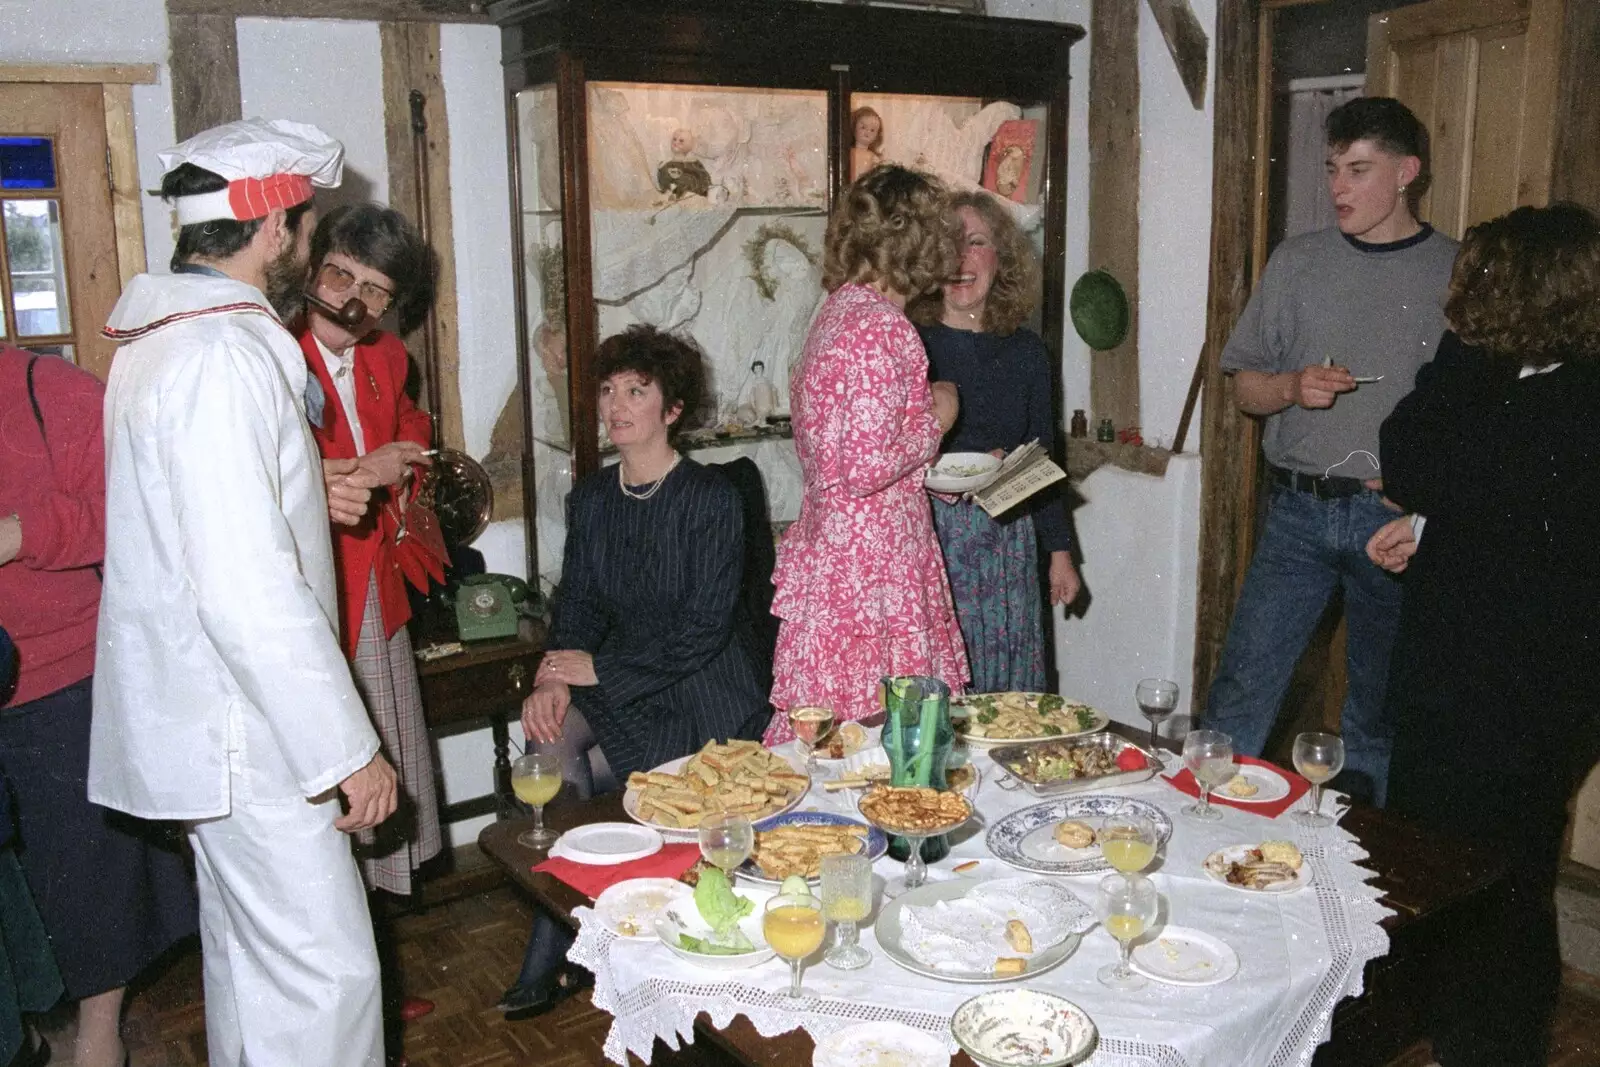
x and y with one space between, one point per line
526 1002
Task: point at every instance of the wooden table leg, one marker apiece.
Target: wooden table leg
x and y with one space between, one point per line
506 805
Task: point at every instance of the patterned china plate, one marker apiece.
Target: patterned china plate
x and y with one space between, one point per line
1026 839
877 843
1024 1028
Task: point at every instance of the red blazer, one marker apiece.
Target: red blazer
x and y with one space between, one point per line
387 414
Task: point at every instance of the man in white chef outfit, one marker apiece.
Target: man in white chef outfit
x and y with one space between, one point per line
221 696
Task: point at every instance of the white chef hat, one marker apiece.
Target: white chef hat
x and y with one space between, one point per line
270 164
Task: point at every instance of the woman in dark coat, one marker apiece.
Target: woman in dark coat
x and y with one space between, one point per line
651 653
1492 683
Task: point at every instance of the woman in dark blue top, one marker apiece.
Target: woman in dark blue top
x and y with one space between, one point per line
975 338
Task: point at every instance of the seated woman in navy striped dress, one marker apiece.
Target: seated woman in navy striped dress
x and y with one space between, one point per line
651 655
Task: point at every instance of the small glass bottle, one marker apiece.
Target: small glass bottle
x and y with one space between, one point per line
1106 433
1080 423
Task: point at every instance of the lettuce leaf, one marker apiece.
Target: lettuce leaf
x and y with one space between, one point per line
738 946
721 910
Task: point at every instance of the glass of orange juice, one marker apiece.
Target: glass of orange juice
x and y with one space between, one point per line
536 779
793 926
1128 840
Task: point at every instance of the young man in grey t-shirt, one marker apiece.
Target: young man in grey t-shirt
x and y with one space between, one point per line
1328 344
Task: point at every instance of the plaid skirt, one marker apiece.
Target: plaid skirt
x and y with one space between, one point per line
386 676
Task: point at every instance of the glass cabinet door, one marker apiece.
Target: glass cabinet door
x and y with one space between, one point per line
544 288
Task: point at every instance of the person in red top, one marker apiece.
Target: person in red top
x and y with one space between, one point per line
371 252
112 894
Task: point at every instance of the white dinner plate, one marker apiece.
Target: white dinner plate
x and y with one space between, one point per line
879 1044
949 472
630 799
888 932
1235 853
963 707
1178 955
606 844
630 909
1270 785
684 917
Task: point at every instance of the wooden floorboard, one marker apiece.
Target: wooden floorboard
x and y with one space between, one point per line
463 953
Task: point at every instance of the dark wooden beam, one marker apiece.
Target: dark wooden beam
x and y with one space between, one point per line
205 71
1576 172
1187 42
410 53
1114 196
1228 442
373 10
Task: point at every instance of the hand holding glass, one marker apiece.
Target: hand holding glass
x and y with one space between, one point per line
1318 757
536 779
793 927
1157 699
1209 756
846 901
726 841
1128 905
1128 840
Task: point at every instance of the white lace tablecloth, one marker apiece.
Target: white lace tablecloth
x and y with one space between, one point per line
1299 953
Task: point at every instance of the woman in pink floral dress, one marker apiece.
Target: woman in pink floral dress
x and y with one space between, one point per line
861 585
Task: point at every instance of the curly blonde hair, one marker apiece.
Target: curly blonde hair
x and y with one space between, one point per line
1526 286
894 227
1015 291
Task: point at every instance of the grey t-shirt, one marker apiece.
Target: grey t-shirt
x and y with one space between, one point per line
1376 309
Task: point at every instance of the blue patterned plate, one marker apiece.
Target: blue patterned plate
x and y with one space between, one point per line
1026 839
877 843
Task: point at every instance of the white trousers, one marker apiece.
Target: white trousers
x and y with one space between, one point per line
291 971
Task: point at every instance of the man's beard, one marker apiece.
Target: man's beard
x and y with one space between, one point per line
286 283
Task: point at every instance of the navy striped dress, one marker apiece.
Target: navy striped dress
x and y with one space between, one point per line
651 588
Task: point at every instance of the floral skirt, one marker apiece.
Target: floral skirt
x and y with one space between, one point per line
994 577
822 666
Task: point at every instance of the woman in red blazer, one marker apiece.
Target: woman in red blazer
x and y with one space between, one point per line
371 252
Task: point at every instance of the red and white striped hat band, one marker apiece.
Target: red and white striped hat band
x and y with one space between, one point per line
245 199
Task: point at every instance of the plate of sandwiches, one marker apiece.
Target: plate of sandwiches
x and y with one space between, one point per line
737 777
794 844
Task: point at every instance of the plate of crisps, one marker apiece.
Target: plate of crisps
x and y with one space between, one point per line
1011 718
739 777
795 843
914 810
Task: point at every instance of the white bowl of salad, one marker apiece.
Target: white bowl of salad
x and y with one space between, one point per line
720 928
961 472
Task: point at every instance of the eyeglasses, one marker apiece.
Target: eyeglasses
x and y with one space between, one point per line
375 296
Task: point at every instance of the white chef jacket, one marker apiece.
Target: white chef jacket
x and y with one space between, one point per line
218 623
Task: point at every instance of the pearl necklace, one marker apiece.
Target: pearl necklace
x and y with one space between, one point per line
655 486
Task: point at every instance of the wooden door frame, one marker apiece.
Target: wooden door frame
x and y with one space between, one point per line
1229 439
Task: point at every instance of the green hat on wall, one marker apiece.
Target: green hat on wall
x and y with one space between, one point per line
1100 310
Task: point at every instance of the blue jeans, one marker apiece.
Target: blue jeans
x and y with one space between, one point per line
1309 547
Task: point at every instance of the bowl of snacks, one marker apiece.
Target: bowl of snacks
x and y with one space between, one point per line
961 472
716 929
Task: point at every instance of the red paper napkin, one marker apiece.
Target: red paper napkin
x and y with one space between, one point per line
1184 782
592 880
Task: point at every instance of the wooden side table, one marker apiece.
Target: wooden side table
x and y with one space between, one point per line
484 684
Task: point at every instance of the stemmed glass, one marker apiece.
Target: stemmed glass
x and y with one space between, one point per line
1209 756
1128 839
916 871
726 841
793 927
536 779
1157 699
846 901
1128 904
1318 757
811 726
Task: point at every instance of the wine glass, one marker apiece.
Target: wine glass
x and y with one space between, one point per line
1209 756
536 778
811 726
793 927
846 901
1318 757
1128 904
1157 699
1128 839
726 840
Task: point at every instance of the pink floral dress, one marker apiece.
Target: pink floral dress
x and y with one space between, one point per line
861 585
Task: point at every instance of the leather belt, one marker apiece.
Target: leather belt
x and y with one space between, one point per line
1323 488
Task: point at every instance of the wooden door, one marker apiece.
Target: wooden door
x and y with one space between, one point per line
58 242
1482 76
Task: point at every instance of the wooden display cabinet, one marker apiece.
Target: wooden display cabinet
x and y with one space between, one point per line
674 163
